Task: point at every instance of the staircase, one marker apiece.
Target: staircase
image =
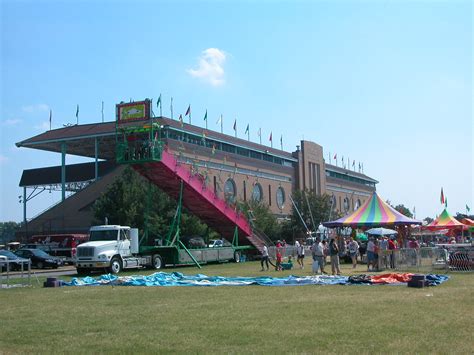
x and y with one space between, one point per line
167 173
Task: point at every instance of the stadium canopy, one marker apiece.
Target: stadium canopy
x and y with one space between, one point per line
374 212
445 221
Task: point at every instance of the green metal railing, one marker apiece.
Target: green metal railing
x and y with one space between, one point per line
138 151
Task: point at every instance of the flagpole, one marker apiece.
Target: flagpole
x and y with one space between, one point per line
260 135
161 108
102 111
222 124
171 107
77 115
248 133
50 118
281 142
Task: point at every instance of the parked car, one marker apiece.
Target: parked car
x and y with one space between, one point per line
14 260
60 245
39 258
218 243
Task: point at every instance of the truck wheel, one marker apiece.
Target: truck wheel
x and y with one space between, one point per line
115 265
157 262
237 256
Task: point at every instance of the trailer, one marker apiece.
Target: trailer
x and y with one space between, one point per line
114 248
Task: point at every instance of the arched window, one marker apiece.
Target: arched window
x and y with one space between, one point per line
257 192
333 202
230 190
346 204
280 197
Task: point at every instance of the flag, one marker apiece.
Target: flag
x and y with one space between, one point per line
467 208
219 120
205 116
353 163
441 198
235 125
181 120
77 111
158 103
281 139
271 137
335 156
188 111
247 129
50 117
259 132
446 202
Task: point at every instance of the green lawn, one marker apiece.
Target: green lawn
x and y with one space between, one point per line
300 319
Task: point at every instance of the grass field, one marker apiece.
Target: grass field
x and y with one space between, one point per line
300 319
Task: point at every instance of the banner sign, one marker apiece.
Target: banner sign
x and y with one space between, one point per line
133 111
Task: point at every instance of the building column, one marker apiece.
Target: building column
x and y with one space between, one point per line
96 142
24 206
63 171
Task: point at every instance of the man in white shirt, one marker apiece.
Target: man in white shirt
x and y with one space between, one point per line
370 254
264 257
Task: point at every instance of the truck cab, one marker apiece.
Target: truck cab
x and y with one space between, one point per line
110 247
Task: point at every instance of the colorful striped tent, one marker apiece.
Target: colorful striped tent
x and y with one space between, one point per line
374 212
445 221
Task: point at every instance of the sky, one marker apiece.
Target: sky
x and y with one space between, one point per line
384 83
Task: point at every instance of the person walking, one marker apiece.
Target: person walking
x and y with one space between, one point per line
317 250
300 254
353 251
334 254
264 257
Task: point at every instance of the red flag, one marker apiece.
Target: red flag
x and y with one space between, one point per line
441 199
188 111
270 139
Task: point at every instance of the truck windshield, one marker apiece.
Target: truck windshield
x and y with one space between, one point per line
103 235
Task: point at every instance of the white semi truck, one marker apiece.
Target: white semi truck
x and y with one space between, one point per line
114 248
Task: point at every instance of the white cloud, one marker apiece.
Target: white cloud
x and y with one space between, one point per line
35 108
3 159
210 67
11 122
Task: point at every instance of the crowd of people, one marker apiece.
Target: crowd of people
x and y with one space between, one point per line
380 252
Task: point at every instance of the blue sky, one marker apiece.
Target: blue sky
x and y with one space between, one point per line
385 83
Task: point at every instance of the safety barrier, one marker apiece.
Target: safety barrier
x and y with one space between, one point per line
430 259
10 278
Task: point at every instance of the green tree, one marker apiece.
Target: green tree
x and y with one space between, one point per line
132 201
7 231
262 218
428 220
404 211
314 209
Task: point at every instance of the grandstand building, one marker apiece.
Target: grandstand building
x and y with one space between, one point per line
236 169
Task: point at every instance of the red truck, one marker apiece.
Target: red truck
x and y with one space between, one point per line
60 245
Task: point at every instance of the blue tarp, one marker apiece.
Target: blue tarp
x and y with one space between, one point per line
179 279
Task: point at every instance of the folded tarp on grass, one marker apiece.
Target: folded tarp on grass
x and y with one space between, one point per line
179 279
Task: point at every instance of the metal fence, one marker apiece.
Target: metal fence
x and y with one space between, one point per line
14 278
445 258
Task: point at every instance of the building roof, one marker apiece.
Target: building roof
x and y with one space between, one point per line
80 139
74 173
349 172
